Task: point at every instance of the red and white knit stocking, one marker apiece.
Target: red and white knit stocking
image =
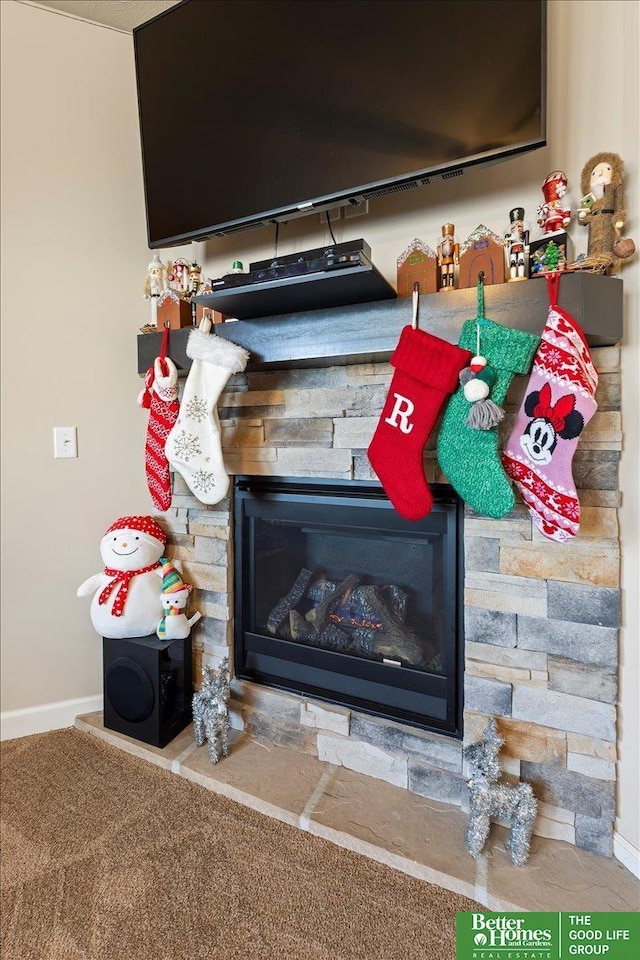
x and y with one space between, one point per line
558 403
160 396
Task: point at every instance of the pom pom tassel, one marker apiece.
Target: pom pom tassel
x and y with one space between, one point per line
484 414
144 397
476 381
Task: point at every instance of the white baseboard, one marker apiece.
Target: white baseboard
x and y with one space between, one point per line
627 854
46 716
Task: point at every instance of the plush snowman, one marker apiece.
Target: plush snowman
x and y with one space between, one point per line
126 602
174 624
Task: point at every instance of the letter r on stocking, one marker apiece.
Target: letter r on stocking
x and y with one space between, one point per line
402 410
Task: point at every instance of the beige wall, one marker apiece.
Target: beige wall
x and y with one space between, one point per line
73 261
86 176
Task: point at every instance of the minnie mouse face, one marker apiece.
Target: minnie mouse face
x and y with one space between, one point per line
539 441
550 421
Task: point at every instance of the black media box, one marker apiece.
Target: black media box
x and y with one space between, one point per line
330 276
147 687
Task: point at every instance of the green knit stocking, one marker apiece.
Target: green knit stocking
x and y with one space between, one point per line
469 457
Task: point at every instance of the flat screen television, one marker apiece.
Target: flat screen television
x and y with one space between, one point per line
257 111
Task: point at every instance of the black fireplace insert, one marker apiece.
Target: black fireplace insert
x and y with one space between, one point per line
340 598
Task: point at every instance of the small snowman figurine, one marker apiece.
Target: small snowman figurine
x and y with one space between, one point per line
174 624
126 601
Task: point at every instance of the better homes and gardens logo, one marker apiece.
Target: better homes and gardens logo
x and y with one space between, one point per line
493 933
547 936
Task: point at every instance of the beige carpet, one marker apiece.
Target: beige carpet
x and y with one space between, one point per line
107 857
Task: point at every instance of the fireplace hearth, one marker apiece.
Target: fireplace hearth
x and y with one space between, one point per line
339 598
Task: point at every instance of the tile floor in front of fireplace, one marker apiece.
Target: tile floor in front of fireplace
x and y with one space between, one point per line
420 837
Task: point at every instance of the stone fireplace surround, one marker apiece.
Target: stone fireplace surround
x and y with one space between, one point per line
541 619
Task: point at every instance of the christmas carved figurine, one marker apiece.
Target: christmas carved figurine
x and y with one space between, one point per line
194 280
602 211
554 213
179 276
155 284
448 258
156 279
516 248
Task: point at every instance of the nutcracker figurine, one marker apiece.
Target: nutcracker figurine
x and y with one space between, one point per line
195 280
554 213
448 258
516 247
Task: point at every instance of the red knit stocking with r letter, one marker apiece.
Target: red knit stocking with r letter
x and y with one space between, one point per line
426 373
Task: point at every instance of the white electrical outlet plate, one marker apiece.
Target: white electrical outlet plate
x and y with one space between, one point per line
65 442
335 215
356 209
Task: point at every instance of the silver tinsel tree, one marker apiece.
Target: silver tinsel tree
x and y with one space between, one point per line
489 798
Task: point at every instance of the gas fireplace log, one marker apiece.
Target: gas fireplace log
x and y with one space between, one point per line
319 616
300 628
394 640
396 600
333 638
319 589
279 613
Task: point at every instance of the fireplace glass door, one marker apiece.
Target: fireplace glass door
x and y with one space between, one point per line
337 596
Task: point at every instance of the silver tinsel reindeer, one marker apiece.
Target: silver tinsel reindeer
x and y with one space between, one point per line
211 711
514 804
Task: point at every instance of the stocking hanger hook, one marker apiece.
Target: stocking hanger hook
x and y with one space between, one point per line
416 302
480 317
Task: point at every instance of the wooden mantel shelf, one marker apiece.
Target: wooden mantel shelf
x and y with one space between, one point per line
361 333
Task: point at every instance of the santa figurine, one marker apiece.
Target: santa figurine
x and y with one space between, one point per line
554 213
126 601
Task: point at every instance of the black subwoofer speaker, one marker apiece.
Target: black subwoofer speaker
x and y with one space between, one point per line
147 687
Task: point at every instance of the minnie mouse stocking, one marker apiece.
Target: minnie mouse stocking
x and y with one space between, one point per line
559 402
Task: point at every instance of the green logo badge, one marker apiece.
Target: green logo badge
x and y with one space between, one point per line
547 936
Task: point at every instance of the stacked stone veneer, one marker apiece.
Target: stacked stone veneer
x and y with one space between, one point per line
541 619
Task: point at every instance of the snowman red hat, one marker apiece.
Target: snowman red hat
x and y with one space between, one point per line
146 525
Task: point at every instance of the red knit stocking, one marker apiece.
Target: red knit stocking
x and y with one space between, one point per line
160 396
426 372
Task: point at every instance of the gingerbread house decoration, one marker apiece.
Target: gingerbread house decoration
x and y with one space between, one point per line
483 250
417 263
173 311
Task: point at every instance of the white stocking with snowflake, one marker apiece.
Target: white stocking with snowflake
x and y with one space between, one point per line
193 447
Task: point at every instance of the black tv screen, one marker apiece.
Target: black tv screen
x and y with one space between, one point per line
256 111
